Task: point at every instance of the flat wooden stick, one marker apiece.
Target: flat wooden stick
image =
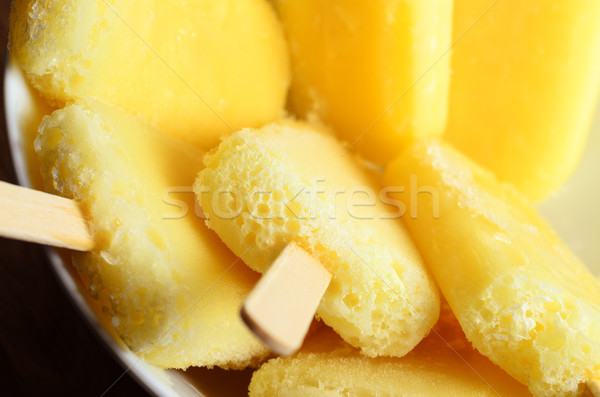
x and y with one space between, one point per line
281 306
43 218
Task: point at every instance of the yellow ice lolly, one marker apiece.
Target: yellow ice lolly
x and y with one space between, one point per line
521 296
165 282
443 364
198 69
525 80
376 71
288 182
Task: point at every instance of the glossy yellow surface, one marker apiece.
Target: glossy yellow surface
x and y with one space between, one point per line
443 364
289 182
198 69
159 275
524 85
522 298
373 70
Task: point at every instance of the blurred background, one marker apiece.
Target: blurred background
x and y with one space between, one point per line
46 348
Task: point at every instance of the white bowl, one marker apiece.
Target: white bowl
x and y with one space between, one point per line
574 211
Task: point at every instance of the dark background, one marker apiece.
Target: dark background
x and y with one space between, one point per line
46 348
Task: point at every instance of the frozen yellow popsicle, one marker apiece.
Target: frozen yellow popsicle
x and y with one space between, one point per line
167 284
373 70
443 364
525 81
289 182
521 296
198 69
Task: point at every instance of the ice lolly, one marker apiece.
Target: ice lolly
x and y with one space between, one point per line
524 85
198 69
263 188
443 364
376 71
521 296
167 284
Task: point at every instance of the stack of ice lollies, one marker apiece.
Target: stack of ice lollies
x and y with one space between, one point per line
142 91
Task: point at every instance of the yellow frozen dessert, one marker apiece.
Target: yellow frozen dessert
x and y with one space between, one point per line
264 188
520 295
443 364
525 79
376 71
145 88
165 282
198 69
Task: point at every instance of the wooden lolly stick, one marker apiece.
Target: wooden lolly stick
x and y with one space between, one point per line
280 308
43 218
